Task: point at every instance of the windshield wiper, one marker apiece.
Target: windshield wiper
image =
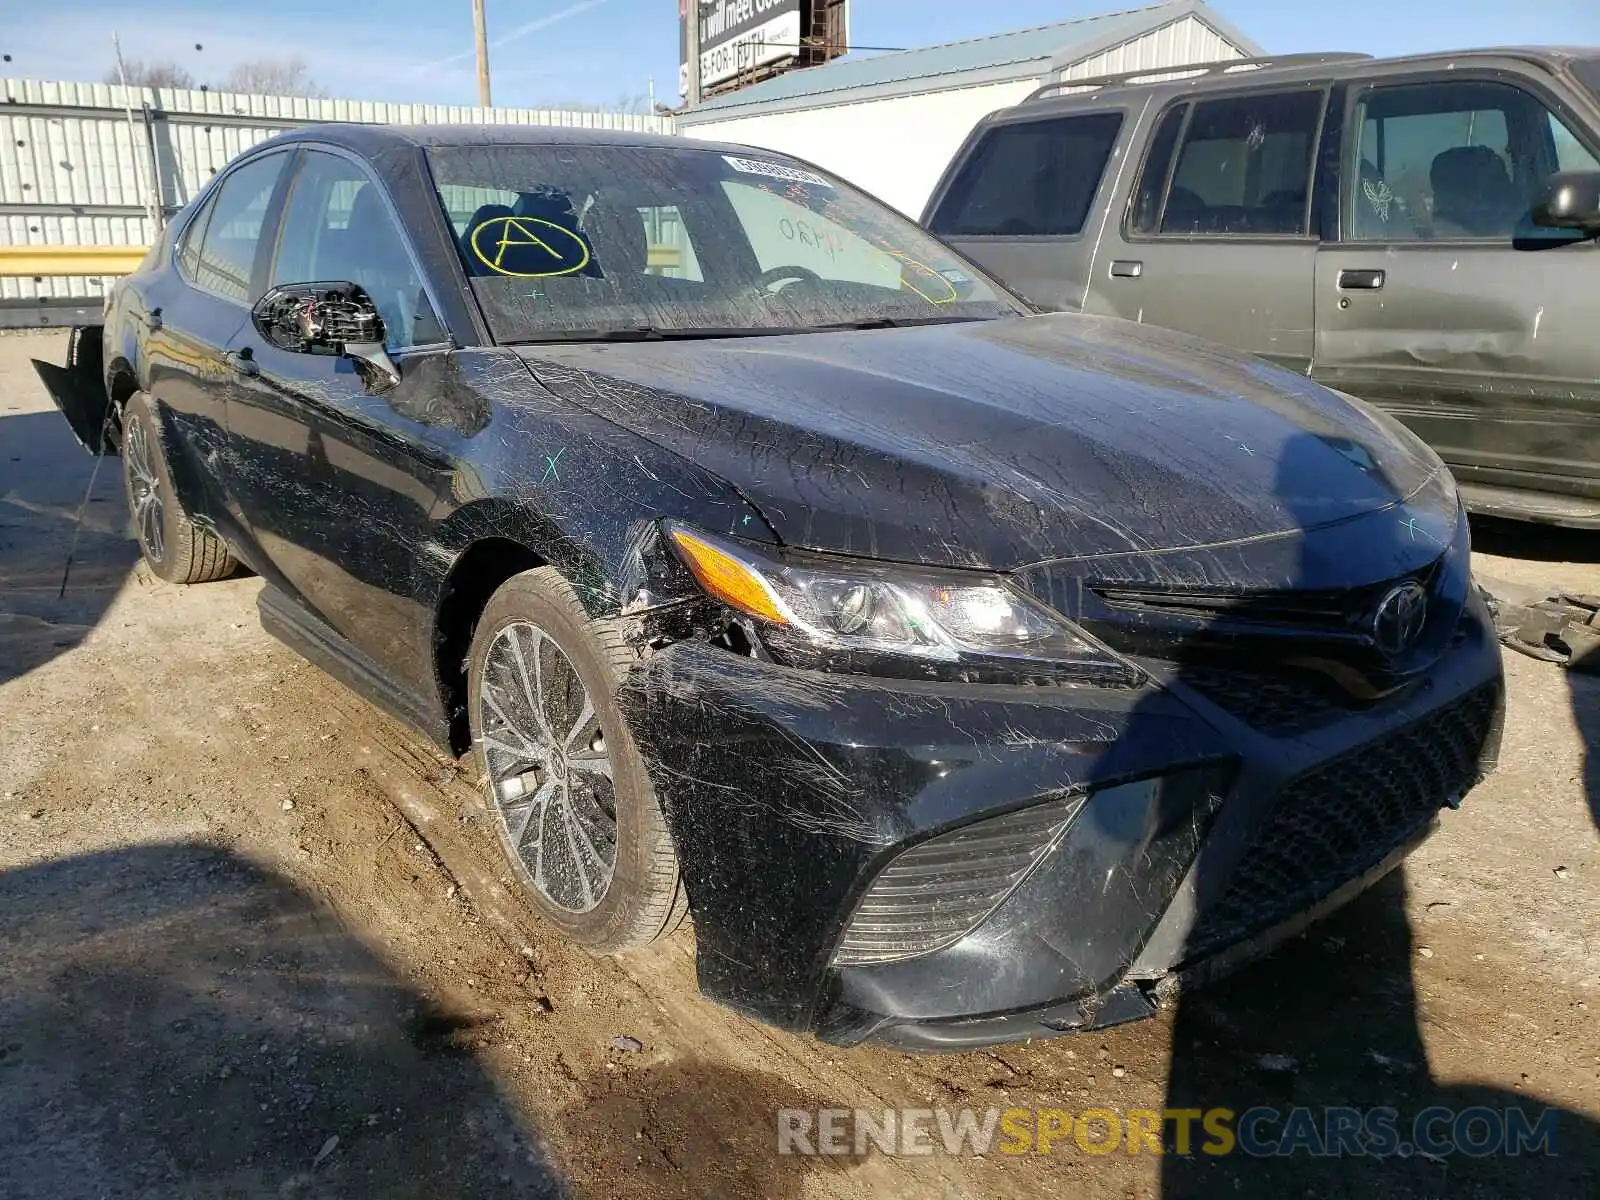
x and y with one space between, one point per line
894 323
653 333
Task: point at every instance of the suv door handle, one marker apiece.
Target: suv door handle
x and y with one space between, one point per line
243 363
1126 268
1352 280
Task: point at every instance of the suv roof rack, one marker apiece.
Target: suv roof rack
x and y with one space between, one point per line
1225 66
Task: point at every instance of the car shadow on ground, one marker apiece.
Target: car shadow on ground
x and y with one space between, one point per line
178 1021
44 476
1333 1020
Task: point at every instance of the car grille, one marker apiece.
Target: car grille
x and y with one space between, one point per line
1276 703
1342 818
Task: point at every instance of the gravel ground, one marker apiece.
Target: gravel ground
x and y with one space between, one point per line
255 941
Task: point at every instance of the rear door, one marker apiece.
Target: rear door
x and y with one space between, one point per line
1441 302
1022 201
189 317
1217 236
337 480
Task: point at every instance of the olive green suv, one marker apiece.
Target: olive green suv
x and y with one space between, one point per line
1418 232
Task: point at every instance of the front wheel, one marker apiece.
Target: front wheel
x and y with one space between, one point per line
174 547
577 816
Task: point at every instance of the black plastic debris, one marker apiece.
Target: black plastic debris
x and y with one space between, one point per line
1552 626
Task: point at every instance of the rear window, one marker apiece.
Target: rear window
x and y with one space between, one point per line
1033 178
1245 166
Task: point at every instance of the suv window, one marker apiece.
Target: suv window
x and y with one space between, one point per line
1030 178
336 227
1452 160
233 230
1145 217
1244 167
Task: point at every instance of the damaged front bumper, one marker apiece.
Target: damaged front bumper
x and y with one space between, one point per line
1188 842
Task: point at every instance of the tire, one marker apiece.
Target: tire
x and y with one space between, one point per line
538 653
174 547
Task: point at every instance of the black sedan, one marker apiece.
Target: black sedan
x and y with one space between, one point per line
964 673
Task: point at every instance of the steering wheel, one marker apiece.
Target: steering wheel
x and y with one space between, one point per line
764 281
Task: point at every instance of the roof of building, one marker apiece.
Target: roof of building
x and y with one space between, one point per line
1029 51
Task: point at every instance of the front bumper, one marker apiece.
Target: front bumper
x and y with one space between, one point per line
788 791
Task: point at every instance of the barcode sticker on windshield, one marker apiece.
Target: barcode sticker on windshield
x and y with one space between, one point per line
772 170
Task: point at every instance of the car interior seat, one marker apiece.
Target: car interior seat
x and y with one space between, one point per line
1473 195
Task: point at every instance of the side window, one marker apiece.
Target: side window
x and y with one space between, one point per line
233 229
1570 152
1030 178
1145 213
189 243
337 227
1244 168
1452 160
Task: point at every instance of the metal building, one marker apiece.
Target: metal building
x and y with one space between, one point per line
891 122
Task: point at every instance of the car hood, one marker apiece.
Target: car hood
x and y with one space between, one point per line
1001 443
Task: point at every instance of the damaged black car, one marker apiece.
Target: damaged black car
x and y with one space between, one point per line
963 673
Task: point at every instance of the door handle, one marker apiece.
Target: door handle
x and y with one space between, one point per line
1352 280
1126 268
243 363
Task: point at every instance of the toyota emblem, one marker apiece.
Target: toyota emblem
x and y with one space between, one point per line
1398 620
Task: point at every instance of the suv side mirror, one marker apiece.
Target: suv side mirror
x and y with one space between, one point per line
318 318
1570 200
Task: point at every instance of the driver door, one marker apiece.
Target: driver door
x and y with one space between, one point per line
343 475
1442 303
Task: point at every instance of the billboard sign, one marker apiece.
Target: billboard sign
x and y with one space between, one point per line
737 35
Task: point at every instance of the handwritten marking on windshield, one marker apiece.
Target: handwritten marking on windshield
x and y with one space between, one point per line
523 238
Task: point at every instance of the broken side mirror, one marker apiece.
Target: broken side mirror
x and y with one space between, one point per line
1570 200
327 318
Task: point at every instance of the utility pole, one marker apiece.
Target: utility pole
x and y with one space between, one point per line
480 32
692 8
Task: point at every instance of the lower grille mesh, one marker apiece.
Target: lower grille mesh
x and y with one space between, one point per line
1345 816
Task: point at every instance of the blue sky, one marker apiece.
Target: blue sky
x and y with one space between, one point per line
550 52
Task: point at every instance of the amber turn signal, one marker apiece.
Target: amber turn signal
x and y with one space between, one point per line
728 579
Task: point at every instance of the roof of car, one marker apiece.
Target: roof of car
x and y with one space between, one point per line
371 138
1295 66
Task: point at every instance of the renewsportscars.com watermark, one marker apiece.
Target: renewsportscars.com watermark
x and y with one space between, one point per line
1260 1132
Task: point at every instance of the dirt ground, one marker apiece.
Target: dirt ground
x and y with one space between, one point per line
255 940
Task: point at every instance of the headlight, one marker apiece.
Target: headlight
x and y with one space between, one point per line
852 612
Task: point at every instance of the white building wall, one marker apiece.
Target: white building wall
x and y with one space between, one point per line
1185 41
895 148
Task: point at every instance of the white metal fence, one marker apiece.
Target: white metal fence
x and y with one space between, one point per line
97 164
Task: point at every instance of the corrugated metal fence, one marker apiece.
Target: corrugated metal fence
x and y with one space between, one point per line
97 164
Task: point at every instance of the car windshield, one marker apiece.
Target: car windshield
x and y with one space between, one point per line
577 242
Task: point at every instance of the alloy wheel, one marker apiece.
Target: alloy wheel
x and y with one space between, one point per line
144 490
549 770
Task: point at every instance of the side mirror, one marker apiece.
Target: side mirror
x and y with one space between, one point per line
1570 200
318 318
328 318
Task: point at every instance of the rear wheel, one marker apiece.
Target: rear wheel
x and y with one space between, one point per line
577 816
174 547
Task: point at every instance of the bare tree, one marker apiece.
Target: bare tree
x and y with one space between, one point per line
151 74
273 77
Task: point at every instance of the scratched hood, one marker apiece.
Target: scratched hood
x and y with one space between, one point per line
1002 443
